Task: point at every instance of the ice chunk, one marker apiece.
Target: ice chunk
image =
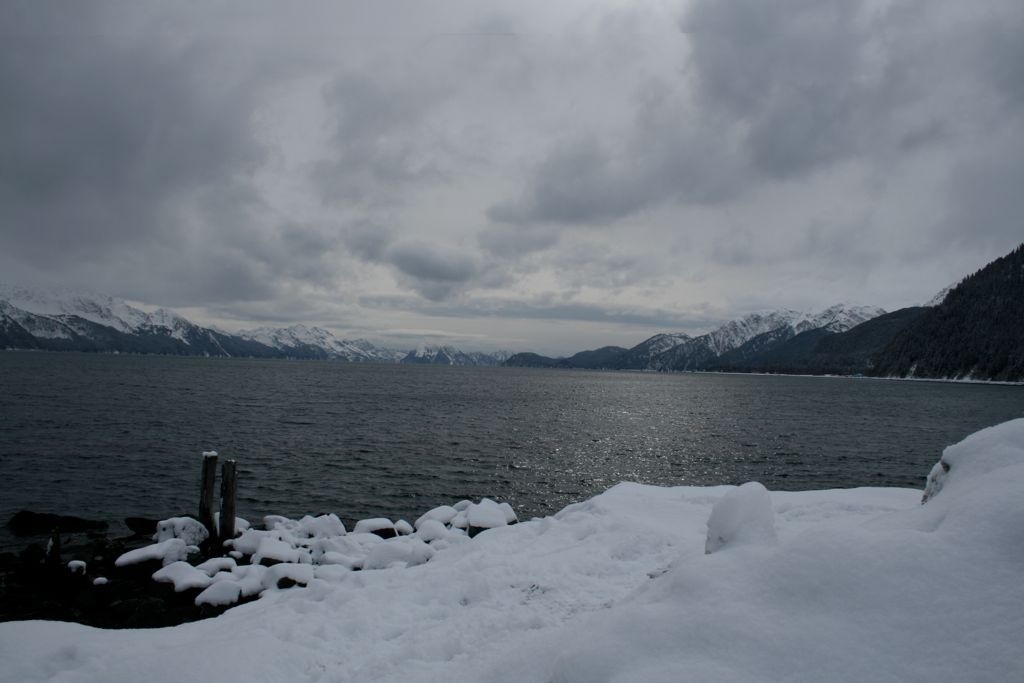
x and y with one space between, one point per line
100 581
220 593
743 515
442 513
171 550
403 527
76 567
187 529
183 575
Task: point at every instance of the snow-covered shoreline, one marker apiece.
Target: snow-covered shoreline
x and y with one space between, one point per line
837 585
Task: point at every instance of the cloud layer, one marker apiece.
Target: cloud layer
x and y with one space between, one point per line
537 177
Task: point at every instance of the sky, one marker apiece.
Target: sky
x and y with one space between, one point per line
527 176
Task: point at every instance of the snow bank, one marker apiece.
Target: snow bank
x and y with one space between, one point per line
858 585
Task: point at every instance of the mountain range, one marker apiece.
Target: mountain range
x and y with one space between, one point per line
72 321
972 330
744 343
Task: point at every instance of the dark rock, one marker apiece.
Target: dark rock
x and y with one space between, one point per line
28 523
285 582
385 533
141 526
33 554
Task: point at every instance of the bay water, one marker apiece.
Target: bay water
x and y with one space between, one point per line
107 436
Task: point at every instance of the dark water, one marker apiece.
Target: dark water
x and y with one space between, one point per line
110 436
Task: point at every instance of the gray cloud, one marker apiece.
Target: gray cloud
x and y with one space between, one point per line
547 308
512 242
375 146
777 91
366 165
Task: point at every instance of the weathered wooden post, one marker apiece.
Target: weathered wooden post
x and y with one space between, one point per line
206 492
227 500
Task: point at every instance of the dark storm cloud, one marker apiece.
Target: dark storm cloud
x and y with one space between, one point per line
431 263
436 271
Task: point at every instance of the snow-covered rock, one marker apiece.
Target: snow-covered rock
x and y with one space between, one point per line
171 550
183 575
442 513
187 529
860 585
220 594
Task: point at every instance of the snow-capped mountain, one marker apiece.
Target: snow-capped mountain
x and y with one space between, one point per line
62 320
838 318
639 357
449 355
767 328
316 342
58 303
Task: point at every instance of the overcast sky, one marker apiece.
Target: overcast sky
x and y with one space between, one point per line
531 175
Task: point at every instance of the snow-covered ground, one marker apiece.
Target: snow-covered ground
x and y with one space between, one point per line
841 585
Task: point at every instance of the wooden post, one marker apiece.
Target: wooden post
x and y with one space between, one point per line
227 500
206 492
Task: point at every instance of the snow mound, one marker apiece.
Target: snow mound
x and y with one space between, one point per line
743 515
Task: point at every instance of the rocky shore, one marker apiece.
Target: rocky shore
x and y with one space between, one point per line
76 579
